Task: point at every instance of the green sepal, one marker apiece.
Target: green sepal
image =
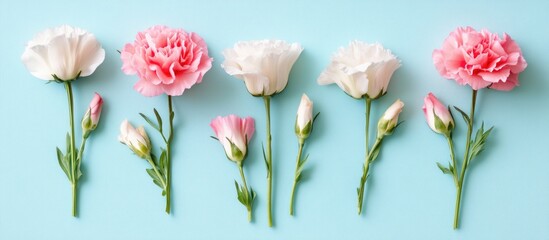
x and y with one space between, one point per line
236 152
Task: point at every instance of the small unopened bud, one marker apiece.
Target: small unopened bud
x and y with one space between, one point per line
304 119
438 117
136 139
388 122
91 118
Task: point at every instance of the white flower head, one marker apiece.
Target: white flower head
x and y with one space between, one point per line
264 65
361 70
64 52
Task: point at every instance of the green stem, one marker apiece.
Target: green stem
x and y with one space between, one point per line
81 150
368 108
74 185
248 193
465 159
73 176
366 168
269 160
168 156
297 173
453 158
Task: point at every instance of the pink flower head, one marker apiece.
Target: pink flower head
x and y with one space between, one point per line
234 133
480 59
92 115
166 60
433 109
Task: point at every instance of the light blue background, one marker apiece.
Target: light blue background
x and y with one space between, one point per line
507 189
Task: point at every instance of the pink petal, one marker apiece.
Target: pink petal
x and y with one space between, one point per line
147 89
512 82
495 76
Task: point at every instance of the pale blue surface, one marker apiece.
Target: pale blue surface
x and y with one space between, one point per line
507 189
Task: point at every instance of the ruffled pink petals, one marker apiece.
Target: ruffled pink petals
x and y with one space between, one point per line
480 59
166 60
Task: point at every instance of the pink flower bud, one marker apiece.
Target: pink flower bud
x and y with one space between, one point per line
437 115
91 118
234 133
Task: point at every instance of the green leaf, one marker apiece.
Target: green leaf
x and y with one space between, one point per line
253 196
63 163
244 197
477 145
163 161
240 194
316 115
68 144
464 115
78 171
300 167
444 169
364 175
156 178
158 119
150 122
375 152
266 162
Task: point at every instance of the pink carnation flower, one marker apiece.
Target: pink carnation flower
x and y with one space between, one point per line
480 59
166 60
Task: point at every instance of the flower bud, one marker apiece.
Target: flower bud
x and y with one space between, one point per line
91 118
388 122
234 133
437 115
136 139
304 119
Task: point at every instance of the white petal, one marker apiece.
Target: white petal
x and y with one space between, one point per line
327 76
285 64
90 55
362 84
256 84
62 57
36 61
